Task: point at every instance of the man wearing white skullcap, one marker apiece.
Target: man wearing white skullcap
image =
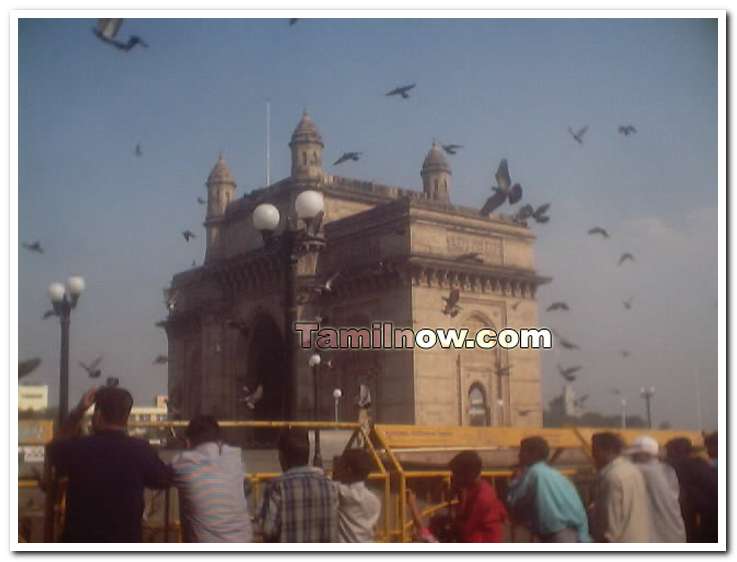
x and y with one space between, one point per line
663 491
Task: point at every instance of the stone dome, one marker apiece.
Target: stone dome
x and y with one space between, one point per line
435 161
220 173
306 132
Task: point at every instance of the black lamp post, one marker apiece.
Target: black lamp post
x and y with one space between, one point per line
289 246
648 394
64 299
314 362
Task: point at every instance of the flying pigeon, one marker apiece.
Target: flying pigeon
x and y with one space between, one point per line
161 360
564 342
170 299
355 156
515 305
252 397
470 257
451 303
568 373
616 391
107 30
138 151
599 230
112 382
628 304
34 247
364 396
201 201
559 305
401 91
579 134
48 314
627 130
503 191
539 214
188 234
93 369
625 353
581 400
452 148
27 366
327 286
523 213
625 257
292 21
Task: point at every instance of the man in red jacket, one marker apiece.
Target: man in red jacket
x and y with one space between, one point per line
480 515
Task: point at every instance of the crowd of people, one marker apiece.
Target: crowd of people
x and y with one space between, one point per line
637 497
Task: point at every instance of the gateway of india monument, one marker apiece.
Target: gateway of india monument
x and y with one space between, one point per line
396 255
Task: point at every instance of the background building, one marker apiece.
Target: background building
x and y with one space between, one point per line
397 251
33 397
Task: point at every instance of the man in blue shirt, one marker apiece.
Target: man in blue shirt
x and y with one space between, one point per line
545 500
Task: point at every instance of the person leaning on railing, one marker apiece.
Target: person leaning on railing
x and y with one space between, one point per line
107 470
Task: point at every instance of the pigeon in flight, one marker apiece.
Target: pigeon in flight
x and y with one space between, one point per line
252 397
627 304
401 91
34 247
48 314
170 299
93 369
539 214
138 151
328 285
616 391
161 360
201 201
568 373
627 130
27 366
625 353
515 305
578 135
355 156
624 257
112 382
452 148
523 213
558 305
292 21
567 344
579 401
107 30
599 230
188 234
451 303
503 191
473 257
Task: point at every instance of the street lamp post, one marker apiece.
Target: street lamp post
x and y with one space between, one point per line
64 299
289 246
648 394
337 394
314 362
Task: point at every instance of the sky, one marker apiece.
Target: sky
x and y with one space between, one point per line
501 88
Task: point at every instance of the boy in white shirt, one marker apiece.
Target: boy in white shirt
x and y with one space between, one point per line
358 508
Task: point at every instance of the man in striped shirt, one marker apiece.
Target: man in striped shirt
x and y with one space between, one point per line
301 505
209 478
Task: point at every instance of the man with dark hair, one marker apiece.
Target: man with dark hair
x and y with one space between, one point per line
545 500
480 516
301 505
699 491
621 511
358 508
209 477
107 470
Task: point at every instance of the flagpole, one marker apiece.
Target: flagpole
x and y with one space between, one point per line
268 142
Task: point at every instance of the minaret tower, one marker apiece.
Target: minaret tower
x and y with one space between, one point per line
436 175
306 145
220 191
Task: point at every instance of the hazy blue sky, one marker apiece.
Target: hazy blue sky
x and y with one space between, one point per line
502 88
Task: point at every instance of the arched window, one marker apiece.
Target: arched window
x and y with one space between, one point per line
478 409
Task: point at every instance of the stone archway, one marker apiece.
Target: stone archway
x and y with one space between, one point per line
266 366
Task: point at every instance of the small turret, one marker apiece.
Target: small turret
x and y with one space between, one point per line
220 192
436 175
306 145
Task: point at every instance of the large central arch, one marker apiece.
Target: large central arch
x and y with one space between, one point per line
266 366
